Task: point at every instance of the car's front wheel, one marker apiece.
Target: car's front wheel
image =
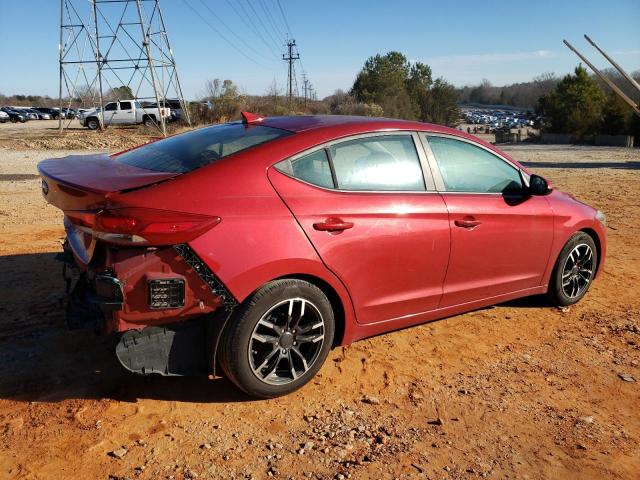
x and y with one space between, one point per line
574 270
278 338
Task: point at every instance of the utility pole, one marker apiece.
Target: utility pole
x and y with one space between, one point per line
305 88
290 58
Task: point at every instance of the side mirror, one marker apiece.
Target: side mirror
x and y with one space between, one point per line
538 185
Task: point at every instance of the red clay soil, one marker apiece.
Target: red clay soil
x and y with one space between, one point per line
522 390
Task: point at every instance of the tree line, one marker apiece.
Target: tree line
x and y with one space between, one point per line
390 85
387 85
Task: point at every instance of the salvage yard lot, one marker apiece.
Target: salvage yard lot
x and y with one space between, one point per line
521 390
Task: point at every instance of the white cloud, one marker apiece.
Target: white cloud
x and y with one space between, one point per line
491 58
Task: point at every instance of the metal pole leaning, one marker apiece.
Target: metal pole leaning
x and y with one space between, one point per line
612 85
629 78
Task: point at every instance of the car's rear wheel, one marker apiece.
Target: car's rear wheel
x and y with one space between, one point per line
574 270
278 338
149 121
92 123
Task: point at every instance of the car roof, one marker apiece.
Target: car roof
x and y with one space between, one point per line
305 123
328 127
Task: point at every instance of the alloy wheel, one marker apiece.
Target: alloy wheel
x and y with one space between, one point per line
286 341
577 271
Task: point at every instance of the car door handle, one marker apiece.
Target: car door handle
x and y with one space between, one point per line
333 225
467 222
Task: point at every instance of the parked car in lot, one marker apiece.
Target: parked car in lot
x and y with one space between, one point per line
176 111
4 116
259 245
54 113
14 115
69 113
40 115
123 112
30 115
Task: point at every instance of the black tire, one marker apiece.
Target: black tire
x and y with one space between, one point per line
568 285
239 350
92 123
149 121
14 120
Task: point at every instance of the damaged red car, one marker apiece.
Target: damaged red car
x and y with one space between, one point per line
252 248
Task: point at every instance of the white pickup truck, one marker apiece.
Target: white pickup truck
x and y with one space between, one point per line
123 112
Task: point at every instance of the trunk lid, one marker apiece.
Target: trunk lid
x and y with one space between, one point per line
83 182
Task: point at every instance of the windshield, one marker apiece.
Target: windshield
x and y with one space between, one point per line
189 151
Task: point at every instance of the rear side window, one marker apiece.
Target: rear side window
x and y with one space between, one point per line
313 168
189 151
383 163
125 105
467 168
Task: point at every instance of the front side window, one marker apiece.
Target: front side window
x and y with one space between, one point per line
197 148
111 106
312 168
465 167
383 163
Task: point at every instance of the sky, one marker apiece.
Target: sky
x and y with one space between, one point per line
463 41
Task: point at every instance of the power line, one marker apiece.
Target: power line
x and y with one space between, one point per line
271 19
232 32
256 29
275 42
246 19
241 52
284 17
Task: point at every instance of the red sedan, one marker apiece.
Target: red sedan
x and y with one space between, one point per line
254 247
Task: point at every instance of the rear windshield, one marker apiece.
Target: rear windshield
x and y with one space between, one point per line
189 151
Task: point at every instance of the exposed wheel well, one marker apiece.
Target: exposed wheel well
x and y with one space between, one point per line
592 233
334 299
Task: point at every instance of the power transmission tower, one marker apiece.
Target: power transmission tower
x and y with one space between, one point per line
111 49
290 58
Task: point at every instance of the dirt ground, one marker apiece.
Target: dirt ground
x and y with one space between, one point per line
522 390
45 134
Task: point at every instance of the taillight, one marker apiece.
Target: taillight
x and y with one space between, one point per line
83 219
144 226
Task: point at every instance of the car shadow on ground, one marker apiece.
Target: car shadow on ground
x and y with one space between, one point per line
43 361
615 165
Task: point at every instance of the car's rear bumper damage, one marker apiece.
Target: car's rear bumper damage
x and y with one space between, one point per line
166 301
